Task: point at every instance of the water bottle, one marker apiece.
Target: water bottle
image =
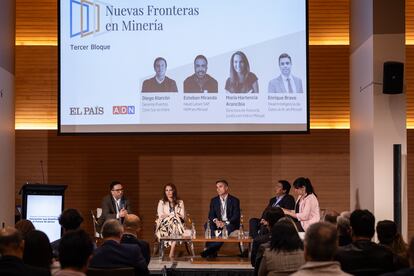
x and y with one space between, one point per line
207 233
241 232
193 231
225 233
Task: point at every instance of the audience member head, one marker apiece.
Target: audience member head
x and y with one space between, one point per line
362 224
70 219
331 216
388 235
285 237
75 248
343 226
303 186
112 230
272 215
132 224
346 214
287 219
170 193
37 250
11 242
411 252
386 231
24 226
320 242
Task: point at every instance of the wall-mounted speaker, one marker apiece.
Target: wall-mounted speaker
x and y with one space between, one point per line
393 77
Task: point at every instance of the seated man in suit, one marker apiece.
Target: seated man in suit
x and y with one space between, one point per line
132 226
115 205
224 211
113 254
11 252
281 199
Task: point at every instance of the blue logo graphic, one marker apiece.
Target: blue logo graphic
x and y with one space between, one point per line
84 18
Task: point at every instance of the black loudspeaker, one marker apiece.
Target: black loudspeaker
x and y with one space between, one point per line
397 186
393 77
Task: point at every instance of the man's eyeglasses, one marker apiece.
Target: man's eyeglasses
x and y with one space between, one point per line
118 190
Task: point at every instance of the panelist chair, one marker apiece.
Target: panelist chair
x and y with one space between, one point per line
156 242
95 214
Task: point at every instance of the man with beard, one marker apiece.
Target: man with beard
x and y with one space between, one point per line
200 81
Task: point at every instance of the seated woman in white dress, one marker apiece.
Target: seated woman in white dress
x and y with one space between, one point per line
171 216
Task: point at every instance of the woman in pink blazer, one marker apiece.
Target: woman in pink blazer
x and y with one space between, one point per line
307 205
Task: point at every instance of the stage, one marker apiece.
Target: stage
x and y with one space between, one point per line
222 265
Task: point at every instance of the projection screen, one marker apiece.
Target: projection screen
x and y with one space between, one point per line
183 66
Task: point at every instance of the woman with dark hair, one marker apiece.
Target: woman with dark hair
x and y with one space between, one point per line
285 254
241 80
37 250
389 237
171 215
307 205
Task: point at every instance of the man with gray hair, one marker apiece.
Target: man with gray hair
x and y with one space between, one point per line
11 252
132 226
113 254
320 248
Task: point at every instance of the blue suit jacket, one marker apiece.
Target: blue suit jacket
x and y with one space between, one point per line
232 210
112 254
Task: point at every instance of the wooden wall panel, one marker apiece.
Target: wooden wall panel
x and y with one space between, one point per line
36 86
409 82
144 164
36 22
329 86
329 22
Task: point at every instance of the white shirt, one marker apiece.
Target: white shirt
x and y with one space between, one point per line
118 207
223 205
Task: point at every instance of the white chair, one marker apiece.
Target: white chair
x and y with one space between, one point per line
95 216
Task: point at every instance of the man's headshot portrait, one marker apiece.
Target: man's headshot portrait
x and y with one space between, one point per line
286 82
160 82
200 81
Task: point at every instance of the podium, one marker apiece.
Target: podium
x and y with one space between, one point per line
42 204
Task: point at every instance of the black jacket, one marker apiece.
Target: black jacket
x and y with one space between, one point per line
113 255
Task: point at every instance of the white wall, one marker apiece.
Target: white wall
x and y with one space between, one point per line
7 134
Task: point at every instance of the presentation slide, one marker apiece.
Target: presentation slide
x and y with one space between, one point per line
44 211
159 66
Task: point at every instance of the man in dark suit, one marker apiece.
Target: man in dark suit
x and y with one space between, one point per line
70 219
362 256
131 230
114 205
113 254
281 199
224 212
11 251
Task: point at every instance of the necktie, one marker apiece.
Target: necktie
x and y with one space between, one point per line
290 90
